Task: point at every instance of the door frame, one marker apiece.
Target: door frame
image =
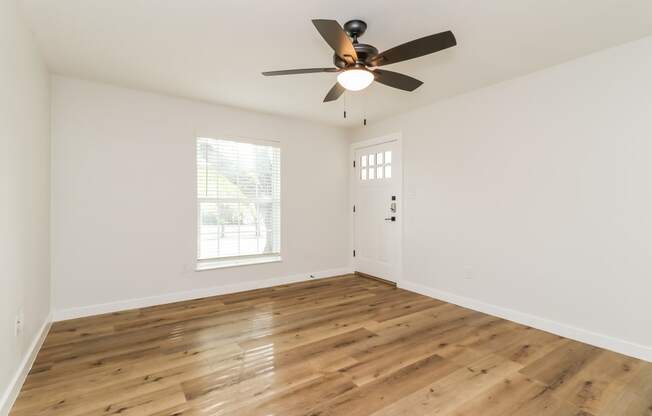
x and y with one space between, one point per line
393 137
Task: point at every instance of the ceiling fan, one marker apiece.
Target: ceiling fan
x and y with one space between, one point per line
357 63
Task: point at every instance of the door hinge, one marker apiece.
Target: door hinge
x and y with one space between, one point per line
354 208
354 163
353 253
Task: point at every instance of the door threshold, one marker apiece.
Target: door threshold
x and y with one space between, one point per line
378 279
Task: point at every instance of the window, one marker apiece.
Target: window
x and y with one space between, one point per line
376 166
238 203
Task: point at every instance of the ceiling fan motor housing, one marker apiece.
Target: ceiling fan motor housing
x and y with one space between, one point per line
354 29
362 49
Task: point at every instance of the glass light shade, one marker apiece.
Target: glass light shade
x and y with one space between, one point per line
355 79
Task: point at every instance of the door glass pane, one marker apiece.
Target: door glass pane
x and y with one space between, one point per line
379 172
379 158
372 160
372 173
388 171
363 161
388 156
363 174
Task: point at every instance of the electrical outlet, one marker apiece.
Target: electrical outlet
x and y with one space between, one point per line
20 322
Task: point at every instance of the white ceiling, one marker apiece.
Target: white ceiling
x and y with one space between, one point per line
214 50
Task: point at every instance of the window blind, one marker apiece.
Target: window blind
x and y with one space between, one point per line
238 199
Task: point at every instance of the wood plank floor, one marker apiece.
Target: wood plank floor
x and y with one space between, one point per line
341 346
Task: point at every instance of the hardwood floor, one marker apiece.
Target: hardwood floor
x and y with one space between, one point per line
341 346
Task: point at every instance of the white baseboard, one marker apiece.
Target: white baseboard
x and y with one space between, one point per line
589 337
80 312
11 392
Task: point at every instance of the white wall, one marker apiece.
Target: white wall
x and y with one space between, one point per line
540 190
24 195
124 202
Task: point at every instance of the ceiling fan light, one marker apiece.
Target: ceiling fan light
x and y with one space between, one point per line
355 79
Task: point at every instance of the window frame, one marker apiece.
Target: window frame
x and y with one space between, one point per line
243 259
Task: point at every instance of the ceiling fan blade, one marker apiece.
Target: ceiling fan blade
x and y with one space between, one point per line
334 93
300 71
414 49
334 35
396 80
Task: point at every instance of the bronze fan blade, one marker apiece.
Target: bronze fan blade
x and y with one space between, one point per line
414 49
334 35
334 93
300 71
396 80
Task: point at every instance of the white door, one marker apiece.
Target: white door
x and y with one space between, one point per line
377 216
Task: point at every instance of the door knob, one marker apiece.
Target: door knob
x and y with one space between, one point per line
390 219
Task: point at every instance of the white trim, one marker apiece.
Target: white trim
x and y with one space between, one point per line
236 138
393 137
90 310
377 140
11 392
579 334
212 264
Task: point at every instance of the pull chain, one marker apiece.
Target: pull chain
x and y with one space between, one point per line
364 110
344 105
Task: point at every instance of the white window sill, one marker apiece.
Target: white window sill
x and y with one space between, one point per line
235 262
